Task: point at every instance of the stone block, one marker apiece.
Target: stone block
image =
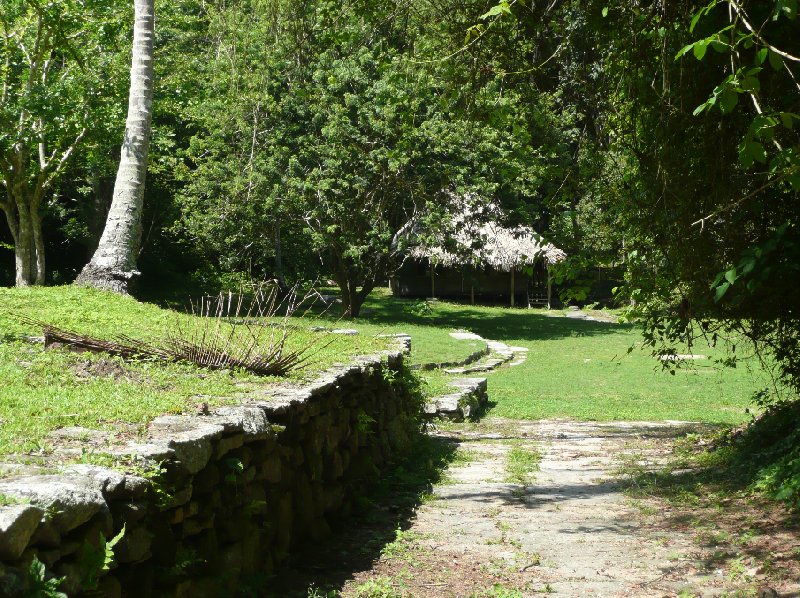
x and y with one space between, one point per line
227 444
134 546
72 500
18 523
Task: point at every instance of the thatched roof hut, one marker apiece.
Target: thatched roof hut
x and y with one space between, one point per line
492 245
487 245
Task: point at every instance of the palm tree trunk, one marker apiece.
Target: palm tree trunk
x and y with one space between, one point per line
113 265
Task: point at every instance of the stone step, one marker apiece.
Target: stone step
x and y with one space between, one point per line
469 395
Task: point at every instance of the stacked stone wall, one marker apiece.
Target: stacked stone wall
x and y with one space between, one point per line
238 490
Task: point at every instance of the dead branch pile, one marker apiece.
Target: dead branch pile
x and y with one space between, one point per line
219 337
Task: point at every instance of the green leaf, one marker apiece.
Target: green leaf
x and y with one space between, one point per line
728 100
605 11
718 45
683 50
751 151
788 118
775 61
750 84
700 109
730 275
761 56
109 548
720 291
747 266
695 19
700 48
498 9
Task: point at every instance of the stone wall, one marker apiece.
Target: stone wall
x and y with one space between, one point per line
238 489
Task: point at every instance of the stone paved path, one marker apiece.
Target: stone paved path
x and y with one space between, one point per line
570 531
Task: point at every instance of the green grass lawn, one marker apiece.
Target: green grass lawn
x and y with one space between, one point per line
578 369
575 368
430 339
42 390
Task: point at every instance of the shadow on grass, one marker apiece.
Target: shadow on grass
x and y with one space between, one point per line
496 323
357 542
491 322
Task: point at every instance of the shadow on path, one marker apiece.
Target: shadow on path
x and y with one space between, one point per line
357 542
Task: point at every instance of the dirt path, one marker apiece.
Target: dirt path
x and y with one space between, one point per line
492 528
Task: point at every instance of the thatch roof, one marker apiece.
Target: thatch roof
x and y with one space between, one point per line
493 245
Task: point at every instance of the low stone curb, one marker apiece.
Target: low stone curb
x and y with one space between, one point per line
469 396
472 358
499 354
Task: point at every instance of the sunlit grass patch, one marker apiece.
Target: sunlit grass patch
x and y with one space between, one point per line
43 390
522 463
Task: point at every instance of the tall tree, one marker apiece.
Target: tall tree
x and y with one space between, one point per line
113 265
51 65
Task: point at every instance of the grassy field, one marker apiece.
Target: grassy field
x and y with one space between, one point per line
576 368
42 390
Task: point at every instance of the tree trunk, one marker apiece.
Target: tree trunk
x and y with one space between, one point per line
549 288
23 248
433 281
279 253
513 286
113 265
38 246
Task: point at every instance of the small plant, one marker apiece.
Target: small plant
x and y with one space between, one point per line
499 591
235 468
364 422
38 586
547 589
94 560
380 587
521 465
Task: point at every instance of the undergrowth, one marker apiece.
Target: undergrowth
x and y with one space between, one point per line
762 458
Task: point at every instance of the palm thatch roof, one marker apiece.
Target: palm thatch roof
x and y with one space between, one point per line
493 245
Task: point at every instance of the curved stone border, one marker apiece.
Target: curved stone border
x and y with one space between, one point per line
237 488
499 353
469 396
472 358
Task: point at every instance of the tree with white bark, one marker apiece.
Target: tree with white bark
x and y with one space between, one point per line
113 266
51 68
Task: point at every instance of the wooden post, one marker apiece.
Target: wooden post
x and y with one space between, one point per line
549 286
512 286
433 282
472 293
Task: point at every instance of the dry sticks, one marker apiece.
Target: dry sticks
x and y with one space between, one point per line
220 336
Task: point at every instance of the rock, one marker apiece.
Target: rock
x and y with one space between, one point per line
271 469
345 331
46 536
227 444
150 452
129 513
17 525
79 433
109 481
109 587
134 546
189 437
250 420
135 487
73 500
463 335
